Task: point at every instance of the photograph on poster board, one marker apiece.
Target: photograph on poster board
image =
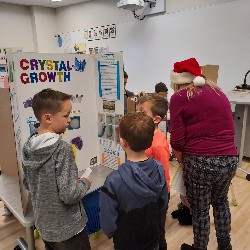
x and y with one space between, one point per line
108 106
106 32
90 34
110 119
110 132
101 130
74 123
112 31
101 117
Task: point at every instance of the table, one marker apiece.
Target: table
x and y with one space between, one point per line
10 195
241 98
99 174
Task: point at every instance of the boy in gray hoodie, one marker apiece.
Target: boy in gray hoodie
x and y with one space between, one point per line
50 173
133 195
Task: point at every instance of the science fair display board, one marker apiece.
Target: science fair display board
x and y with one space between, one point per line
96 86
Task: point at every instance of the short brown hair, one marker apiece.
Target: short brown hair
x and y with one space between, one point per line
48 100
138 130
159 104
161 87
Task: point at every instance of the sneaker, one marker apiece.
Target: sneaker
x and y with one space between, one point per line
6 211
186 220
185 246
180 212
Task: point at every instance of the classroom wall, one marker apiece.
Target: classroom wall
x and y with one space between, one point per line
16 28
90 14
31 28
44 23
213 33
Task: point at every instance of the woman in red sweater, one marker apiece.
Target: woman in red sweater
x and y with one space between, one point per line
202 136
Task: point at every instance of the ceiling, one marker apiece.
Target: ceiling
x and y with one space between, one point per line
44 3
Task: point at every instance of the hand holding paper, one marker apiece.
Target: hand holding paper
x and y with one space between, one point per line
86 174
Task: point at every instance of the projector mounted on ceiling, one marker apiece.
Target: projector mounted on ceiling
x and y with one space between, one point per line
131 5
146 7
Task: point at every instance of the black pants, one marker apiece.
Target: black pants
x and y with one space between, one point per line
162 223
207 180
78 242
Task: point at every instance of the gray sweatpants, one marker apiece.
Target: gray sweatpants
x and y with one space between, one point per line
207 180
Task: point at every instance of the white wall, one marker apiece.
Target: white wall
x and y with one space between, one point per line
16 30
90 14
44 29
215 34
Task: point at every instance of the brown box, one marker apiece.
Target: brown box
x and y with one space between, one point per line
8 160
210 72
131 104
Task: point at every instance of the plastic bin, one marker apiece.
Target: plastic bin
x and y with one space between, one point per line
92 209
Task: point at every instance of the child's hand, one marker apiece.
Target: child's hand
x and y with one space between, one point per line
89 179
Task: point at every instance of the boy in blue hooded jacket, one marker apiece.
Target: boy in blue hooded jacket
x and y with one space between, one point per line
132 196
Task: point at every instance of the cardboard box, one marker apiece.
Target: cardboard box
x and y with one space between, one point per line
210 72
8 160
131 104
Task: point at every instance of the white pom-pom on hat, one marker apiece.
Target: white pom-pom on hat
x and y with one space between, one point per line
199 81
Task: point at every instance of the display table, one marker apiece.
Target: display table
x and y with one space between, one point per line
241 98
10 195
99 174
91 199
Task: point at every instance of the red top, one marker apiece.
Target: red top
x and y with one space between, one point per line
202 125
159 150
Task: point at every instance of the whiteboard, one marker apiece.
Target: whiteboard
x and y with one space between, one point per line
217 34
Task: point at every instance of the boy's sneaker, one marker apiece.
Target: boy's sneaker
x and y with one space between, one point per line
180 212
6 211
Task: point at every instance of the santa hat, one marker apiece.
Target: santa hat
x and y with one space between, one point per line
187 71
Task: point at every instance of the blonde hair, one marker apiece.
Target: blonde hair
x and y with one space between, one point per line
191 89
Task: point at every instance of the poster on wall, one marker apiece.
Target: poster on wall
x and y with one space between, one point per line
90 34
112 31
66 42
85 34
97 34
105 32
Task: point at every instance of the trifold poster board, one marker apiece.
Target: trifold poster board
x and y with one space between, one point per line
96 86
8 160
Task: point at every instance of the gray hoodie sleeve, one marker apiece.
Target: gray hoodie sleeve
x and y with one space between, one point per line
71 190
25 183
